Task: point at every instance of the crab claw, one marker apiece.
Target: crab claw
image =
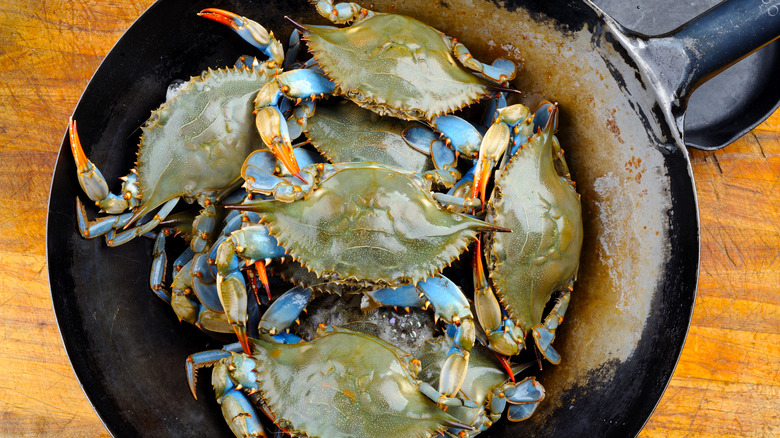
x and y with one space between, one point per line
273 130
251 31
494 144
90 178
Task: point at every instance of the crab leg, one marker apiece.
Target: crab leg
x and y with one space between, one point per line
229 375
247 244
251 31
504 337
159 264
94 184
297 84
494 144
451 305
456 133
544 333
341 13
501 71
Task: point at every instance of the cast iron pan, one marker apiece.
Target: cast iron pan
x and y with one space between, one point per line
634 295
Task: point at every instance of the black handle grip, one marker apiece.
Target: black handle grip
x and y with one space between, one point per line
724 35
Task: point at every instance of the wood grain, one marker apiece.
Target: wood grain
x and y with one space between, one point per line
726 384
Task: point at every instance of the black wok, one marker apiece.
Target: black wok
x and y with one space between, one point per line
635 292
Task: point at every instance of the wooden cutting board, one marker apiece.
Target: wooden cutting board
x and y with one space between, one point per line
726 384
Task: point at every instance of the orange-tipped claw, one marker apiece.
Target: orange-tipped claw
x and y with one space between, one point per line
263 276
283 150
222 16
243 339
273 130
481 176
82 162
507 367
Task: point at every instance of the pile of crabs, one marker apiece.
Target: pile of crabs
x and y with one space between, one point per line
382 207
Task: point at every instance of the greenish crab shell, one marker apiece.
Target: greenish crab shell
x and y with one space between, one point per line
543 210
194 145
395 65
343 131
344 384
372 224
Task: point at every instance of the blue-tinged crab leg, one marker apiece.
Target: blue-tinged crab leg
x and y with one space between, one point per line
247 244
501 71
456 133
341 13
100 226
251 31
285 310
451 305
258 172
139 230
544 333
504 337
94 184
203 227
494 144
273 127
188 308
159 264
230 375
293 45
523 398
404 297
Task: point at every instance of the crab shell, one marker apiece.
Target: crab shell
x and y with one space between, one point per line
344 384
343 131
540 205
395 65
370 224
194 145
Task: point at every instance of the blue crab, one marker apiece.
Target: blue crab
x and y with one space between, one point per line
343 132
193 145
386 230
486 385
541 256
393 65
340 384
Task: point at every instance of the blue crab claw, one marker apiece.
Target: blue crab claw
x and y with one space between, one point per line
94 184
303 83
273 130
91 180
244 246
451 305
285 310
503 335
258 173
238 410
521 412
419 137
251 31
459 134
501 71
494 144
404 297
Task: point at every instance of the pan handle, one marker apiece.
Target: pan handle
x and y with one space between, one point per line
677 62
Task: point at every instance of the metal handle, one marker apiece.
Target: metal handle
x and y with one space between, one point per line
720 37
677 62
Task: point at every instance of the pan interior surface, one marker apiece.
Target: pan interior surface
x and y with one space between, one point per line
634 292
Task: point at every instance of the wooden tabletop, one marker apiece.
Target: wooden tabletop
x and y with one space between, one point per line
726 384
